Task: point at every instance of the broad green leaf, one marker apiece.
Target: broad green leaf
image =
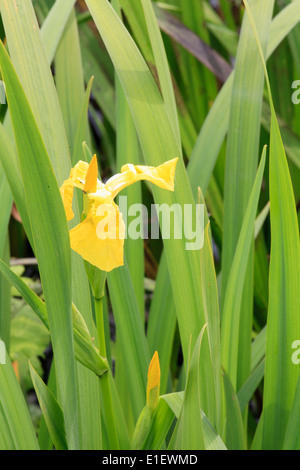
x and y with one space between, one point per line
246 391
5 206
17 431
134 13
258 348
82 125
151 119
10 163
242 153
162 65
283 325
162 318
5 297
234 428
94 60
54 25
33 69
51 410
26 45
128 150
260 219
215 127
200 84
212 315
290 140
70 82
207 148
50 235
161 423
292 436
131 336
220 30
233 295
85 351
190 430
211 438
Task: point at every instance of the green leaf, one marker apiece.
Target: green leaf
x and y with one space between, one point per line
51 410
190 430
82 125
5 297
212 315
130 335
85 350
292 436
17 431
6 206
234 428
214 129
283 325
211 438
10 164
242 153
27 48
162 318
151 119
246 391
162 66
128 144
50 234
161 423
70 83
233 295
54 25
94 60
28 55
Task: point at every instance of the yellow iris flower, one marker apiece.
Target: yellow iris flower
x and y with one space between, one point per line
99 238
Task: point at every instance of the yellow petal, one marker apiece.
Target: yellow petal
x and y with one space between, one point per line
99 239
78 174
162 176
153 383
66 192
77 179
91 179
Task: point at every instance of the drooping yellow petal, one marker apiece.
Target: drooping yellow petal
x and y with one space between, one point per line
91 179
153 383
76 179
99 239
162 176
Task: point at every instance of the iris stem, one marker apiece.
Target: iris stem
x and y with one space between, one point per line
105 380
100 325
